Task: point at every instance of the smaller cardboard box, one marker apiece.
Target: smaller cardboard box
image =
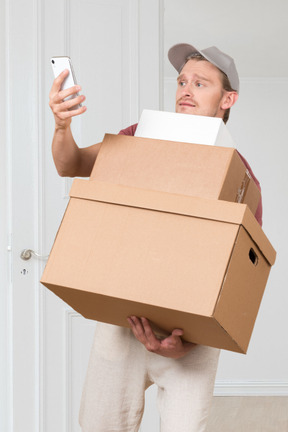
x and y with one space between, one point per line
182 262
190 169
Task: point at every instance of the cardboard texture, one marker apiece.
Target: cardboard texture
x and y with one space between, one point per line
181 261
184 128
190 169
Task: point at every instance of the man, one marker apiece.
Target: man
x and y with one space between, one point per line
124 362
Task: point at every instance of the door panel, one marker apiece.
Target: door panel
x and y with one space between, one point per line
50 343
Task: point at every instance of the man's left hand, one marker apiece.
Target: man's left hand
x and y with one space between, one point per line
172 346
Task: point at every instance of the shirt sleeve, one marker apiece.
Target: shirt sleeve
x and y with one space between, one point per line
259 211
129 130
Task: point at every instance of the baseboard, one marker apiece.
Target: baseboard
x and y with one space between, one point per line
251 388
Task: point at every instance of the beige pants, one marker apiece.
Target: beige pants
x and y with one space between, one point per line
121 369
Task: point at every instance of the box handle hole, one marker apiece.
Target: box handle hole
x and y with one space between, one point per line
253 257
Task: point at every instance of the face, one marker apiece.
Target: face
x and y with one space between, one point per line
200 90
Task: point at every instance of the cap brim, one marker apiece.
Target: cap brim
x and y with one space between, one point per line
178 54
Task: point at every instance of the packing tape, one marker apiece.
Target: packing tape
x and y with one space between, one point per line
243 188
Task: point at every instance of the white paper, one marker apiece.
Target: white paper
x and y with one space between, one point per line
184 128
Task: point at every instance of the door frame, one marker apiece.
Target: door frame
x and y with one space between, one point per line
5 236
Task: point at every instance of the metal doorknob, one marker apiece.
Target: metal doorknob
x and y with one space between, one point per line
26 254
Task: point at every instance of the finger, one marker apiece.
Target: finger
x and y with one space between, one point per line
137 328
58 81
63 115
149 333
63 94
68 103
177 332
60 109
131 321
59 96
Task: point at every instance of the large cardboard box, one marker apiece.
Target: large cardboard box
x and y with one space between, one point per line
190 169
181 261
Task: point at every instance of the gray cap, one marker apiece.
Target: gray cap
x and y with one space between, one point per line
179 53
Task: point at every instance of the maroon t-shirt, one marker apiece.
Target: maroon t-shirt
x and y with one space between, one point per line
258 215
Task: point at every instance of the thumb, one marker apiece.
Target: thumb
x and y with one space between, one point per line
177 332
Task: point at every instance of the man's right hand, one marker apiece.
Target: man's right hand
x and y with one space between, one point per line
69 159
63 110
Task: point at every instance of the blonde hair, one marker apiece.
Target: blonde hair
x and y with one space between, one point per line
225 80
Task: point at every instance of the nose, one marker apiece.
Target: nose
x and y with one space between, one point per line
186 91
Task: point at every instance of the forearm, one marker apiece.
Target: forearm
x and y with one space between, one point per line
65 152
69 159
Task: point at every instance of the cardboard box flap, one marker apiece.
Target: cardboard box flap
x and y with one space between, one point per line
221 211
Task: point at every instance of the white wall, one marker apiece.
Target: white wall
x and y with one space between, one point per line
255 33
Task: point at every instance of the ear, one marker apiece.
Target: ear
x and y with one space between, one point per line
229 99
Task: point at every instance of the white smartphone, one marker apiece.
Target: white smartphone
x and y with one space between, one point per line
58 65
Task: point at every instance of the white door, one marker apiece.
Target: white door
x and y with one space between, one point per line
115 47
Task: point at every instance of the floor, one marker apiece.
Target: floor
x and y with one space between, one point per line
249 414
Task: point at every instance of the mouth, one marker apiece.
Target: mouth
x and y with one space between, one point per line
187 104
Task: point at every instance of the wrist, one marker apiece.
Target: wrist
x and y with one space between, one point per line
61 129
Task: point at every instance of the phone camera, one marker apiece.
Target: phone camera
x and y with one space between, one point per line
53 61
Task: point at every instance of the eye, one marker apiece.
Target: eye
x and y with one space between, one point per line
199 84
182 83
